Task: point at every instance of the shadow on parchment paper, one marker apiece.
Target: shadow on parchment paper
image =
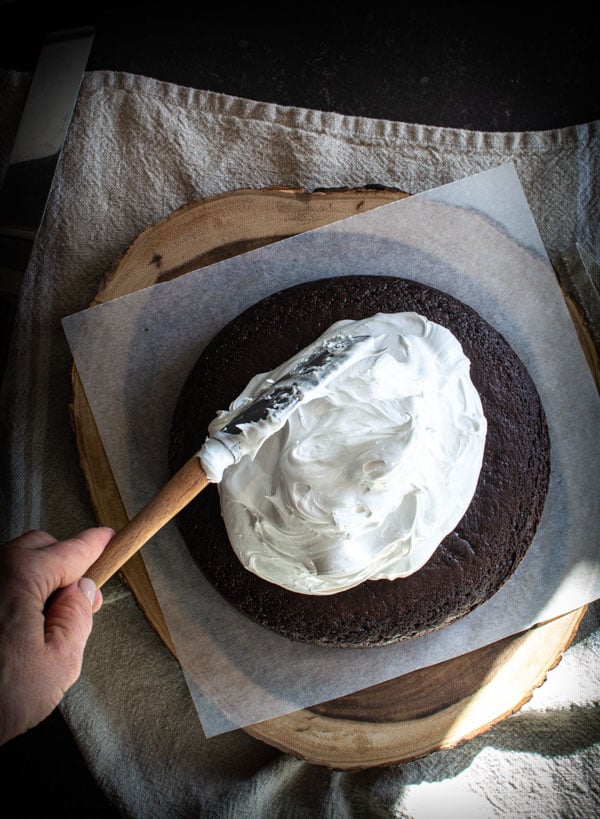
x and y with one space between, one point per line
383 258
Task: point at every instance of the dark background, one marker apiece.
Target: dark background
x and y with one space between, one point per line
494 72
485 71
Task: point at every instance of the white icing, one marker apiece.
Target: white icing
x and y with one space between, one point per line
269 400
367 476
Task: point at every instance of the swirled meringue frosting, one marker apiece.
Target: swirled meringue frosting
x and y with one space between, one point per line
367 477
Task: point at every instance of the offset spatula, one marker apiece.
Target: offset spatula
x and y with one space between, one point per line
241 432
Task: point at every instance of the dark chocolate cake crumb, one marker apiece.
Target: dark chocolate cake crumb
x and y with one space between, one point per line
472 562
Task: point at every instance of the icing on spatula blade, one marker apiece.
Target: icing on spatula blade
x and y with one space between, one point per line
242 430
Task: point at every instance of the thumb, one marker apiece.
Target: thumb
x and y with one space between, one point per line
68 626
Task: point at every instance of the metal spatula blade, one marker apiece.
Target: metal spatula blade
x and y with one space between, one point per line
243 430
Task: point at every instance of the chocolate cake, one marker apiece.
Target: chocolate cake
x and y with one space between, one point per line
472 562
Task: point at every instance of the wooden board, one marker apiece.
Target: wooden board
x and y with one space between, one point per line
393 722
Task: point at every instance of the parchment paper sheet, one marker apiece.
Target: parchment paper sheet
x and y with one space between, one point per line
476 239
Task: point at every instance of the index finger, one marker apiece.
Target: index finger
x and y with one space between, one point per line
34 539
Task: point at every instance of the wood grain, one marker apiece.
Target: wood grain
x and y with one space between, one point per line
429 709
435 708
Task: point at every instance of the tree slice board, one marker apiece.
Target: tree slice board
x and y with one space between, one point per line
396 721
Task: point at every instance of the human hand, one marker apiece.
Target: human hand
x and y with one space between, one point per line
45 620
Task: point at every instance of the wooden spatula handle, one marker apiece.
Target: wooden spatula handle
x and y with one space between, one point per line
172 498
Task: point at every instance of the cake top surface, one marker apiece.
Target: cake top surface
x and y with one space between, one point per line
471 563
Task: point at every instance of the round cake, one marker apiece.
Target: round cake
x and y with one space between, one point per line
471 563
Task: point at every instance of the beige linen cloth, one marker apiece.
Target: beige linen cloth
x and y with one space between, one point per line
137 150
